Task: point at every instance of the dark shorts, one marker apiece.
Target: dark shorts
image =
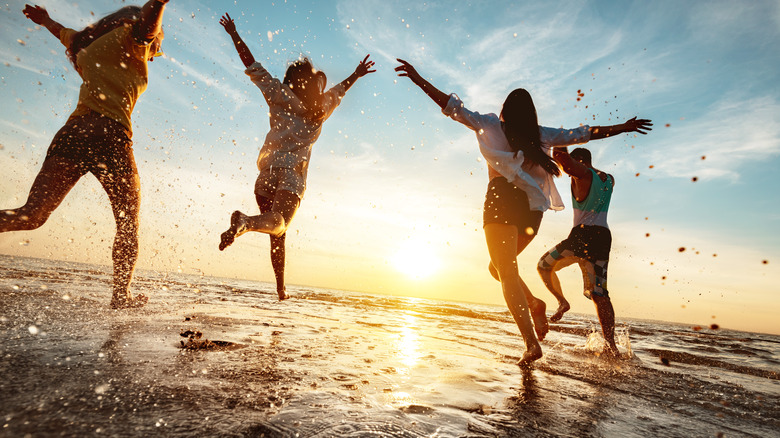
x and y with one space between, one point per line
96 143
588 246
591 243
507 204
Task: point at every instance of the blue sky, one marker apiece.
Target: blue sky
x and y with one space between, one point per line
391 175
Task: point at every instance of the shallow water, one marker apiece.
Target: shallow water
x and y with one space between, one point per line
335 363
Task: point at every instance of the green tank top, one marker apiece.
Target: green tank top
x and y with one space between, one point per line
593 210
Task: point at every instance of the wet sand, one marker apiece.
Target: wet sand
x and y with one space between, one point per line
310 366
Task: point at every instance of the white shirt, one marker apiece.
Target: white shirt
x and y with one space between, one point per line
533 180
289 142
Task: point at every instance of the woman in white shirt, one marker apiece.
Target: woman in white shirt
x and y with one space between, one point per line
521 188
298 106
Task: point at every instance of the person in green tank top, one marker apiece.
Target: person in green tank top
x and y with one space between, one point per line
589 241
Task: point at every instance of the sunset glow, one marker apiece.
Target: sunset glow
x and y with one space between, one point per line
416 259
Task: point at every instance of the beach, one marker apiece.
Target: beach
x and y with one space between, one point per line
222 357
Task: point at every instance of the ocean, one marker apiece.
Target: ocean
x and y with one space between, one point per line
223 357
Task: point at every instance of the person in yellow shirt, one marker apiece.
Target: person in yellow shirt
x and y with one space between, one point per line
111 57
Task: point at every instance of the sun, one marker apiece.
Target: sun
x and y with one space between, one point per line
417 259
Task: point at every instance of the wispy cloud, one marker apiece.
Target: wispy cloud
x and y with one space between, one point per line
732 133
28 132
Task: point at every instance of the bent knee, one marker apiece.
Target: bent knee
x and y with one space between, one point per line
28 220
543 267
598 296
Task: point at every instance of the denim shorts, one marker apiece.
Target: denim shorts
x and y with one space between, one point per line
274 179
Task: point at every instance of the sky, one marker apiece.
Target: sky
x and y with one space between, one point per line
395 189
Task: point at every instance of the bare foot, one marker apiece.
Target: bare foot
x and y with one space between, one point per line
539 315
563 307
139 300
283 295
530 355
235 230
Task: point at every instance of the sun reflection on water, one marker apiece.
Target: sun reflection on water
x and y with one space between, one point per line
408 344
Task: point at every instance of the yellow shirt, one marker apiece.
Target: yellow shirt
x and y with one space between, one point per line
114 71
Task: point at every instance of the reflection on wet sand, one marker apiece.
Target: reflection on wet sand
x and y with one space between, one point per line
408 344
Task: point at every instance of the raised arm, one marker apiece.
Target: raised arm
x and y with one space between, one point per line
39 16
148 26
406 69
571 166
241 48
632 125
361 70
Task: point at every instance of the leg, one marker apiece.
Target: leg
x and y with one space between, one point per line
277 261
552 261
277 249
502 245
523 239
274 222
538 307
600 296
121 183
57 176
606 315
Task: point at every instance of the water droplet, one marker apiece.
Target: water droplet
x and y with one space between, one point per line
101 389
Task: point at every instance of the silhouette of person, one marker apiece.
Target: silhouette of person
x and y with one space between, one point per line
111 57
298 106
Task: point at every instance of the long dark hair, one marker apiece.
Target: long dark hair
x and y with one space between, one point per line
123 17
303 78
521 128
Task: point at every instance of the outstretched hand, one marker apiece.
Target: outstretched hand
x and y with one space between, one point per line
36 13
364 67
227 23
406 69
640 126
